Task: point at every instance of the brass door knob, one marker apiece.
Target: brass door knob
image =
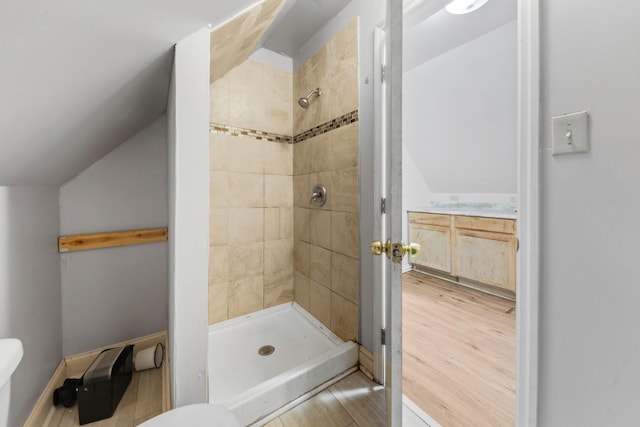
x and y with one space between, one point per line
395 251
413 249
378 248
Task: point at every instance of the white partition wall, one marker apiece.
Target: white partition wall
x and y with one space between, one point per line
188 129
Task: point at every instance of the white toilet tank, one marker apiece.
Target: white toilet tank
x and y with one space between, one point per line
10 356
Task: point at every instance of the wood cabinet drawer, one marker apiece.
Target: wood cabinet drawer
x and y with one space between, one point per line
431 219
497 225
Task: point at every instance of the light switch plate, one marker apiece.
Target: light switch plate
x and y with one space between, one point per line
570 133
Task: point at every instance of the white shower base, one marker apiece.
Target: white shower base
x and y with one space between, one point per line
307 354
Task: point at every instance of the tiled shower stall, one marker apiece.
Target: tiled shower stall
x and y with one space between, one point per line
268 244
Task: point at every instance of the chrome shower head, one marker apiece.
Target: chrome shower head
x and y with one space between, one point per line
305 101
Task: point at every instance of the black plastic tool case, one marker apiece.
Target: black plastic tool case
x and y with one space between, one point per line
103 384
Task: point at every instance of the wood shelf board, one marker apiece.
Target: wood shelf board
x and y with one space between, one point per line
81 242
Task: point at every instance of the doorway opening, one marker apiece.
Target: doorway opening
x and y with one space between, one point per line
469 196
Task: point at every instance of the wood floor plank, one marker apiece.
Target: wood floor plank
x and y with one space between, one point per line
149 396
322 410
274 423
363 399
458 352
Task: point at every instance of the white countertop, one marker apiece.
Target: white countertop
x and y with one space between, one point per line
488 210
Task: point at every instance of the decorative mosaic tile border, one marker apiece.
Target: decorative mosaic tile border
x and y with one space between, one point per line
336 123
250 133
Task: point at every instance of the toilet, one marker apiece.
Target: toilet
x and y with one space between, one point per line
10 356
197 415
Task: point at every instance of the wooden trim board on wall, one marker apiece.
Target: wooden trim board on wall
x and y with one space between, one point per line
81 242
76 365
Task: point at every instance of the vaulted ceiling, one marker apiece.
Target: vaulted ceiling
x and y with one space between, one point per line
78 77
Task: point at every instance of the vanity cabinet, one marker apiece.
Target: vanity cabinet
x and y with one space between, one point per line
467 247
433 233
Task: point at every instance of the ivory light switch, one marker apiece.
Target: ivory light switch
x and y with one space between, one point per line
570 133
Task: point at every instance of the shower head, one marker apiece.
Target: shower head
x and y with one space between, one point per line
305 101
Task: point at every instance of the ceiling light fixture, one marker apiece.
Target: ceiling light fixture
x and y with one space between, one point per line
459 7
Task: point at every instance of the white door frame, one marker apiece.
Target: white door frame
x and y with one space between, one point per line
528 258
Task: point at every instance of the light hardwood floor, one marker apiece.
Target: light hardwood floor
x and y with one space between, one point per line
351 402
141 401
458 352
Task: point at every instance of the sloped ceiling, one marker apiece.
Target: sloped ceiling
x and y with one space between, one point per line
78 77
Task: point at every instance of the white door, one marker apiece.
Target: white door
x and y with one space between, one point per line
388 213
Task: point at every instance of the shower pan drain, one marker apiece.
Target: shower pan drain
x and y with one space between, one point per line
266 350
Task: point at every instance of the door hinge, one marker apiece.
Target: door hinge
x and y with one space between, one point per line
383 73
383 205
383 340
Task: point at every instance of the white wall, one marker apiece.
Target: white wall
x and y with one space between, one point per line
589 346
30 289
371 13
110 295
459 118
188 124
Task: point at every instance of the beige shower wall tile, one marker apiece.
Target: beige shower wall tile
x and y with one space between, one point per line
278 157
278 223
246 260
245 155
320 153
246 225
246 190
218 227
303 157
218 264
219 101
301 191
301 260
320 265
218 156
245 296
344 318
320 303
278 256
246 97
345 233
278 101
344 93
278 190
218 302
344 147
324 179
218 189
301 288
343 49
301 224
278 288
345 190
314 73
320 228
345 277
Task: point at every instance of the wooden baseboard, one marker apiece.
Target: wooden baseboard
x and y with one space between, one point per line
365 359
43 408
76 365
467 283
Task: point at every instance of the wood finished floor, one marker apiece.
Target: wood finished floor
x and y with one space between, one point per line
351 402
458 352
141 401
